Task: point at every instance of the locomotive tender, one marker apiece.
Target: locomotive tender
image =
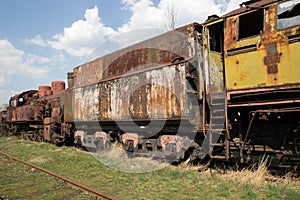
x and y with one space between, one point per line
229 84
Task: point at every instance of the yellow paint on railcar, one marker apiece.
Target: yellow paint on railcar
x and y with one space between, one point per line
213 37
267 57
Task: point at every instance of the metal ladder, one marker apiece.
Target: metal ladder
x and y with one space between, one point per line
217 122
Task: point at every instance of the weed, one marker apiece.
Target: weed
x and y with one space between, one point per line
170 182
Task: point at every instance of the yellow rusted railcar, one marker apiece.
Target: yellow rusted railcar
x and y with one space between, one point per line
252 58
261 46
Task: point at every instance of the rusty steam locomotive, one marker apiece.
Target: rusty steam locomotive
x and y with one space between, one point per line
230 84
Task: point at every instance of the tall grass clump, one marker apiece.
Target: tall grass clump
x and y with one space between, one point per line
257 173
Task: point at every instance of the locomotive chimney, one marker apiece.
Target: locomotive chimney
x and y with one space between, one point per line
44 90
70 79
57 86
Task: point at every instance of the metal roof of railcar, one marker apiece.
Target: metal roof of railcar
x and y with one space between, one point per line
179 29
248 5
244 7
16 96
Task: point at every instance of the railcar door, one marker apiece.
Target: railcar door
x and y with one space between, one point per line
214 75
213 56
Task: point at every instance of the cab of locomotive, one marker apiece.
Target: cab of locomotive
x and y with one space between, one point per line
251 56
261 63
22 107
261 46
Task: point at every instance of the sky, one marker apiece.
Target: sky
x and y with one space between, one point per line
42 40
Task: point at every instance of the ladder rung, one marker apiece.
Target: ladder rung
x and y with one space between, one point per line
218 157
218 144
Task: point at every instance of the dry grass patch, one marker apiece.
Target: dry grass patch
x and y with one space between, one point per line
258 174
117 158
40 160
255 174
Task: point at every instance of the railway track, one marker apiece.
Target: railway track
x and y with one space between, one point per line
22 180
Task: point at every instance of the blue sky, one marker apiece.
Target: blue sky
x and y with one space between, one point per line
40 41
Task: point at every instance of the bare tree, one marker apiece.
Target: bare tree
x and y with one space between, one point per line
170 15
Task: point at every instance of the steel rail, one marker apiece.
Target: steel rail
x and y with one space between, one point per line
78 185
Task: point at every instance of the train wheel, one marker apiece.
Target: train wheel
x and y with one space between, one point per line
30 135
55 138
128 146
23 135
26 136
40 138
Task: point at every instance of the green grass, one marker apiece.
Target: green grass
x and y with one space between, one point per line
20 181
167 183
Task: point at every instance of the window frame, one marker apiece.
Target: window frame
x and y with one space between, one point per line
277 19
253 35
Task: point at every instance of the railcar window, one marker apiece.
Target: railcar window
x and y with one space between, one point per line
21 101
13 103
288 14
251 24
216 37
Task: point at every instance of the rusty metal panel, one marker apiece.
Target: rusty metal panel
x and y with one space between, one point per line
160 93
266 60
246 6
68 106
213 61
90 72
86 103
29 113
55 103
38 112
157 51
25 113
25 107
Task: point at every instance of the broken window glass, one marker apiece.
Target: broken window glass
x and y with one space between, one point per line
288 14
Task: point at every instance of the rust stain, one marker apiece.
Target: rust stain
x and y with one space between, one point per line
159 93
272 59
130 137
157 51
166 140
230 36
139 59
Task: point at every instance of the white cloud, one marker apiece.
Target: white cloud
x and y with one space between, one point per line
5 95
82 35
17 62
144 15
37 40
233 4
